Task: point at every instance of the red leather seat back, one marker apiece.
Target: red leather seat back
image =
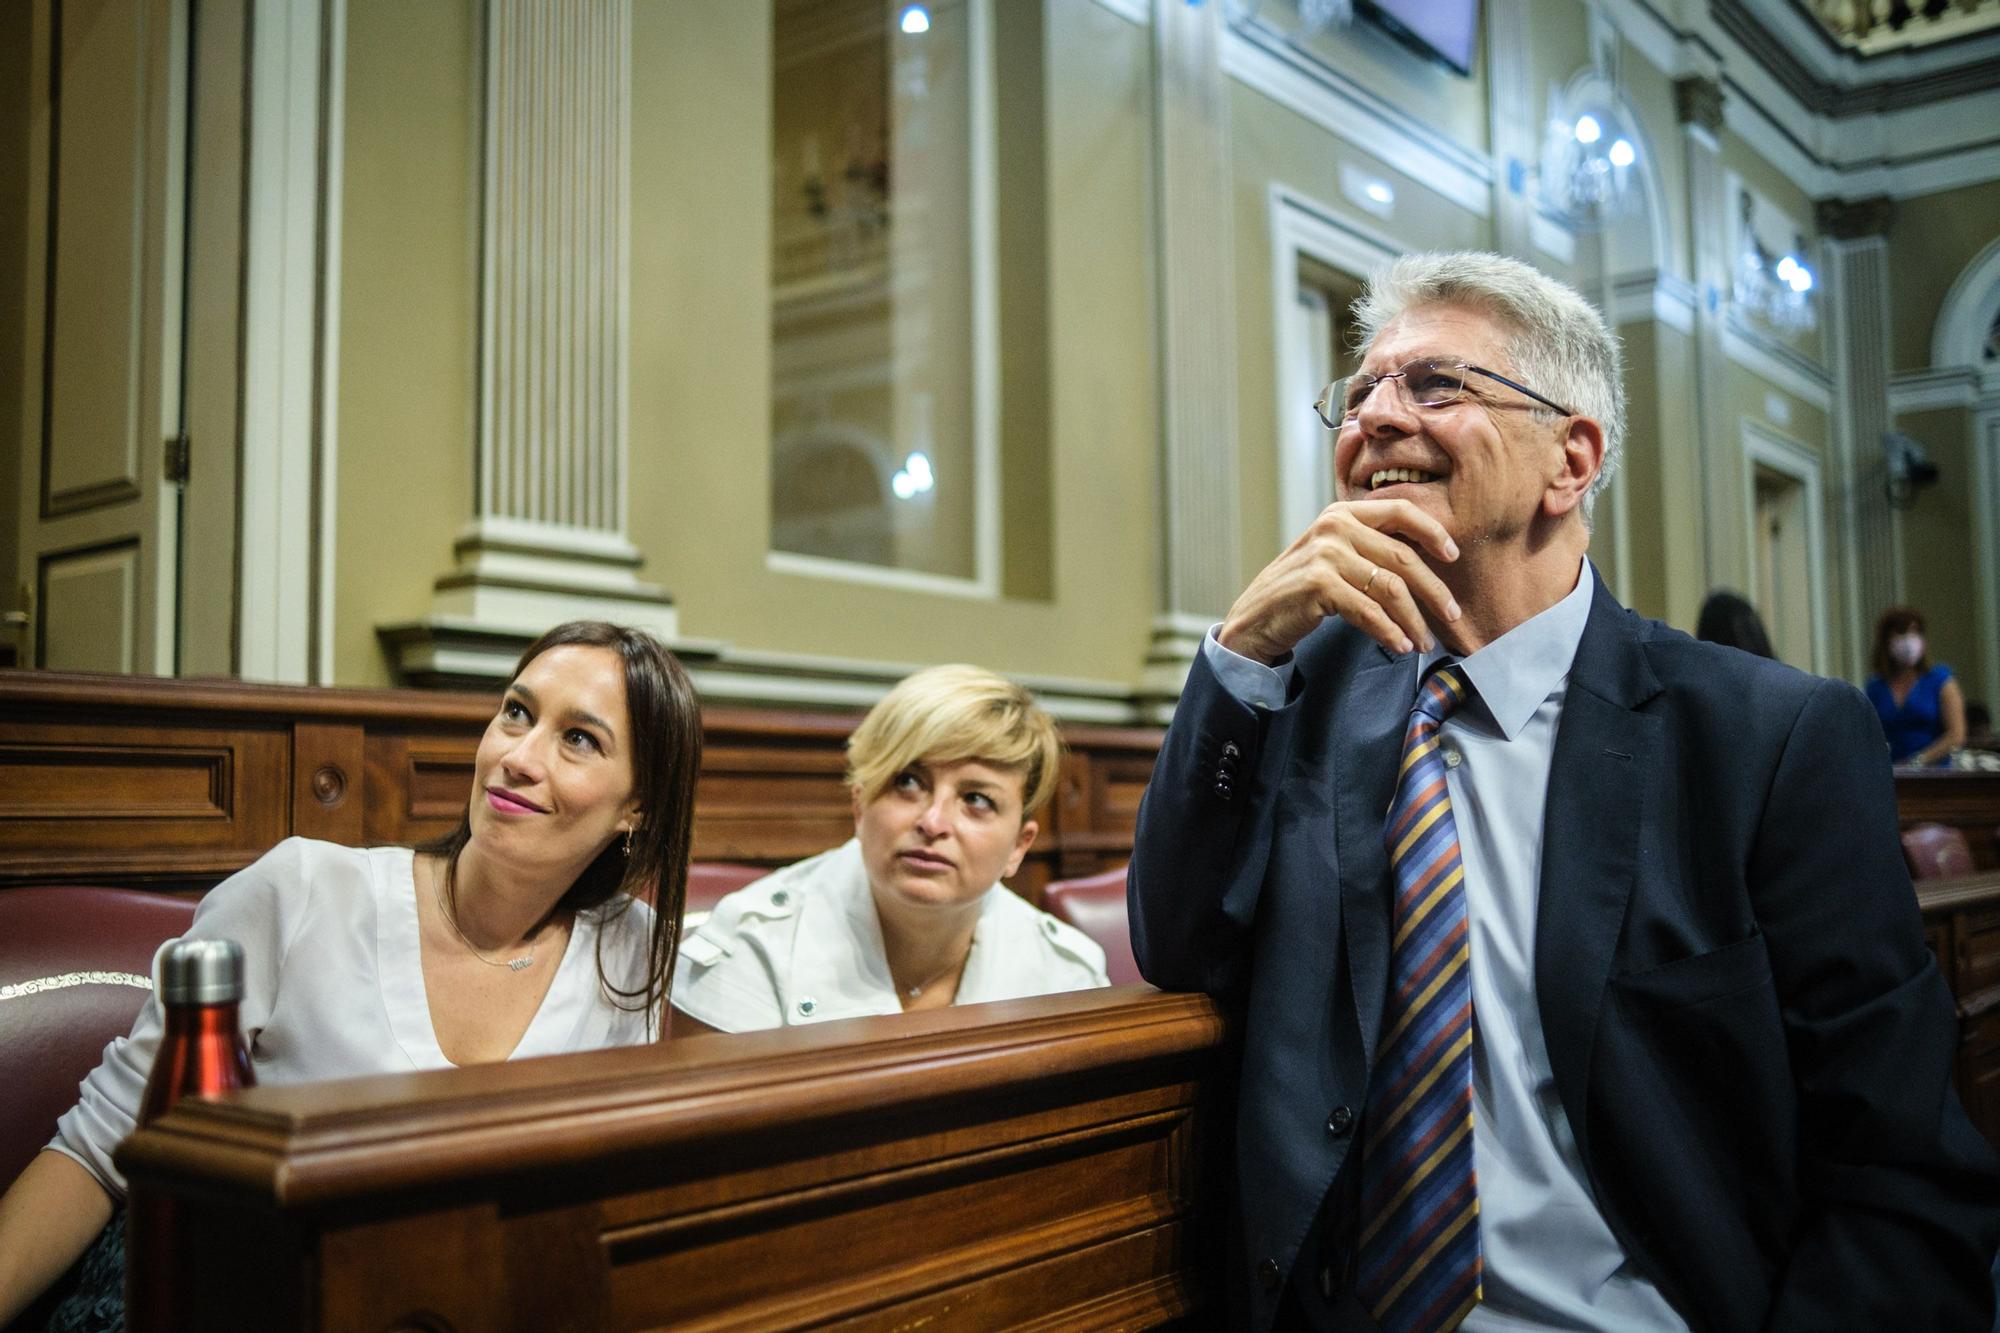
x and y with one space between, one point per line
1095 905
710 881
75 968
1936 851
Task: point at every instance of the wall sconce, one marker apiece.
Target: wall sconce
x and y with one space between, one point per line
1778 287
1588 156
1909 467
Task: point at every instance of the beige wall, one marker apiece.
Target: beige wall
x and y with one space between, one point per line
14 195
409 316
1270 144
700 364
1931 241
1938 532
1081 469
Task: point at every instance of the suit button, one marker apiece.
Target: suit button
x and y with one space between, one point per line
1268 1276
1225 790
1230 750
1341 1123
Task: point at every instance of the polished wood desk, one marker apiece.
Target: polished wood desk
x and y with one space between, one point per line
1032 1164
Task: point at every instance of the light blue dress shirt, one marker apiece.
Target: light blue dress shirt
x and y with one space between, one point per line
1551 1260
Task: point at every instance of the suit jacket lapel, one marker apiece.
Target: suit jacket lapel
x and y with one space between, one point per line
1373 714
1607 754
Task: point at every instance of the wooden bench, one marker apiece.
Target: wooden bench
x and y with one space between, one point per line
1045 1163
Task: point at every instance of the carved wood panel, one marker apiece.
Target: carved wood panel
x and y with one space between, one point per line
91 768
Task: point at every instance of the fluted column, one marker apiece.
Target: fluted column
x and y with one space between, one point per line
1725 560
1193 190
547 537
1860 517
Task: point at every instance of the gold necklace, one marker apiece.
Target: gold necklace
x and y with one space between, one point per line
451 919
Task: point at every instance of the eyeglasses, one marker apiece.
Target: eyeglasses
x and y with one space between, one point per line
1427 383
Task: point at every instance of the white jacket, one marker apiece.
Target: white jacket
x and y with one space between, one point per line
804 945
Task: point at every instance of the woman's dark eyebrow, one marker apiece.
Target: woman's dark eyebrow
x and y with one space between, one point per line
575 715
592 720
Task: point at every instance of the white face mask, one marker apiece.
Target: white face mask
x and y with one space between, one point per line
1906 649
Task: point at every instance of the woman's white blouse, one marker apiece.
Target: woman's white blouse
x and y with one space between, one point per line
804 945
333 986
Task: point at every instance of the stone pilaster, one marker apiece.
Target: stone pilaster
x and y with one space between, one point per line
1725 560
546 540
1193 191
1861 521
1516 114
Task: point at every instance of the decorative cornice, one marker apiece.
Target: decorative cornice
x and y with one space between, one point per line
1698 102
1855 219
1855 93
1777 364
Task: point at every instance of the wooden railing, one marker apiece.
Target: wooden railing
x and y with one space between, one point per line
1046 1163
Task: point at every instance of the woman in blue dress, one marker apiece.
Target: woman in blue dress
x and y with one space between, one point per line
1920 704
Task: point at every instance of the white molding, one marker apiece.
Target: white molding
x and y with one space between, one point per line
1777 364
1789 24
1301 225
1827 157
985 300
1912 391
1132 11
1799 461
333 138
1986 540
1968 311
278 501
881 576
1659 297
466 650
1552 236
1262 60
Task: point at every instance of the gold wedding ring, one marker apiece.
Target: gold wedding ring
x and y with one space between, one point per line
1374 572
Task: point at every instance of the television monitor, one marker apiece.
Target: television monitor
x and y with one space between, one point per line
1445 30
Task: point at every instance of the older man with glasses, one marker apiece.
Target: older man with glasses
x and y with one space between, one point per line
1582 983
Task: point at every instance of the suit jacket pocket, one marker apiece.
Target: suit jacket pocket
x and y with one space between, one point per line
1701 979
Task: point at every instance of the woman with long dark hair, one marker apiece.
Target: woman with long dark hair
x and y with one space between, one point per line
526 931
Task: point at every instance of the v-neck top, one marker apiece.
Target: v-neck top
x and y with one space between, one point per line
333 985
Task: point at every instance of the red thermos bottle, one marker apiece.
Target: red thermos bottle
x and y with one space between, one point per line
202 1051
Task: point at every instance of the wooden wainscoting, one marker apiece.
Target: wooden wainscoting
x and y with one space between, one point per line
1968 802
175 784
1047 1163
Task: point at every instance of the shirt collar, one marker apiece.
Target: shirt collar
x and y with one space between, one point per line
1517 671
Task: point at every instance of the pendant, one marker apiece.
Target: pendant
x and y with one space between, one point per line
516 964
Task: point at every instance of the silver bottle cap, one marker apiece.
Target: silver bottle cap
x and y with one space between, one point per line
201 972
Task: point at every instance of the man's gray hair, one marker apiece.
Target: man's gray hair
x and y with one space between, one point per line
1557 343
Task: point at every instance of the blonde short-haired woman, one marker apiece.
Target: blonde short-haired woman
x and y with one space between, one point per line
909 913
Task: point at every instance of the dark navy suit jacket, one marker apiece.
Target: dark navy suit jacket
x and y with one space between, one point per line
1752 1044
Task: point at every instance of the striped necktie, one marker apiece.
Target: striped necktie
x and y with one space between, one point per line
1418 1265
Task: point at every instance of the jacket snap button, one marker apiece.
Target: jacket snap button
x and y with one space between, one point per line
1267 1274
806 1006
779 897
1341 1122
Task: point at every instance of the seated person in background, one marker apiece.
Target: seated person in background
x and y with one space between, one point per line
1732 622
1979 734
909 913
1921 707
521 933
